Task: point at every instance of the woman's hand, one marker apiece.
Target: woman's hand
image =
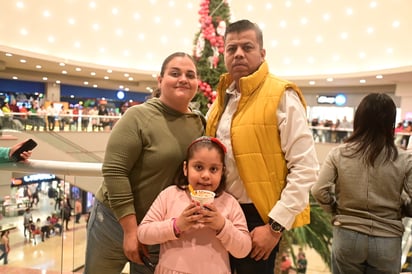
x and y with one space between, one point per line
25 155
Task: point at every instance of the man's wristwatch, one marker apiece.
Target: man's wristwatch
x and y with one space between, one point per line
275 226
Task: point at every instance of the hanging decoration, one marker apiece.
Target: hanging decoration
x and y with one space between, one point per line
208 50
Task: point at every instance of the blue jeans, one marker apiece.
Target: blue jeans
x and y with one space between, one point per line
104 251
354 252
4 255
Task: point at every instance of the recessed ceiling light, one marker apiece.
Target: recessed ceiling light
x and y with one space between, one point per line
45 78
379 76
329 79
8 54
92 73
23 61
78 69
38 66
130 78
58 81
312 83
109 71
362 81
64 71
62 64
15 77
95 86
85 83
106 77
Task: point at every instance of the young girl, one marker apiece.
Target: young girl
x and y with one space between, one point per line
195 239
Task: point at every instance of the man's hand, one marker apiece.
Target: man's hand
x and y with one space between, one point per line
264 241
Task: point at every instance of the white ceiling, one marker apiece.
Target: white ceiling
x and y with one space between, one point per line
306 40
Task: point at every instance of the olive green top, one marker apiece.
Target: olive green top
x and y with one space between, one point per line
145 149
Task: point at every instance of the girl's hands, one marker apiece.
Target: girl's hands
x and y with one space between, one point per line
212 218
189 217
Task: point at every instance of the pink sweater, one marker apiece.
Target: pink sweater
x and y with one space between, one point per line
198 250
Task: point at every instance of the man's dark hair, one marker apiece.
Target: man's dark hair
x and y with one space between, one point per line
243 25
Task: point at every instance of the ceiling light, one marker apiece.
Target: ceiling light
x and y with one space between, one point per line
58 81
8 54
115 11
20 5
38 66
349 11
329 79
95 86
312 83
85 83
23 61
396 24
64 72
78 69
130 78
362 81
92 5
72 21
46 13
121 87
45 78
326 17
92 73
15 77
379 76
62 64
23 32
106 77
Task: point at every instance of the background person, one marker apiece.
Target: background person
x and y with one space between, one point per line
271 159
5 245
195 239
360 183
143 152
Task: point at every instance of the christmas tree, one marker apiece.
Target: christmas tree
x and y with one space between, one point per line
208 50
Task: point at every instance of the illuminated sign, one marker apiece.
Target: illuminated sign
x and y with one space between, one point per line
38 177
338 100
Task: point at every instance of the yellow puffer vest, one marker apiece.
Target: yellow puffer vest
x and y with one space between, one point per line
255 137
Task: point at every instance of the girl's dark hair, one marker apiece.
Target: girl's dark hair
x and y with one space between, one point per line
244 25
203 142
373 129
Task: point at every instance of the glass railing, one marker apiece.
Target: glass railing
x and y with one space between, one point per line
69 252
63 122
58 250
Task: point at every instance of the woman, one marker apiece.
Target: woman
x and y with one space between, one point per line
143 152
4 245
360 183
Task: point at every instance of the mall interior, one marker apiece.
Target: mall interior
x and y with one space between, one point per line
81 55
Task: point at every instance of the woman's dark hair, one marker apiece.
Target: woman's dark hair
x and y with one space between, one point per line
156 92
373 129
202 142
244 25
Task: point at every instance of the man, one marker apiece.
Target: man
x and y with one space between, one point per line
271 160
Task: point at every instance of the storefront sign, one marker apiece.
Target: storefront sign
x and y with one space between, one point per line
338 100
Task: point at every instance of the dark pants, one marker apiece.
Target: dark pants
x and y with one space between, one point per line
248 265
